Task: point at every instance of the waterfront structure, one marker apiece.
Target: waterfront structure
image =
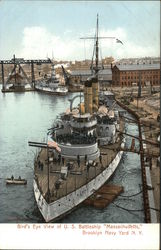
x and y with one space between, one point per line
16 63
128 75
104 76
18 84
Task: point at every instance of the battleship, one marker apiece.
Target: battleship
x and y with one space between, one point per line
82 151
51 85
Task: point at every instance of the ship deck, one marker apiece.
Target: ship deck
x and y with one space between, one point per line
77 176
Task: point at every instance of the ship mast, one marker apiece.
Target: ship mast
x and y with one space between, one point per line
96 49
91 89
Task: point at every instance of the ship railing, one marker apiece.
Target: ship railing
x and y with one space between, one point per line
81 125
76 139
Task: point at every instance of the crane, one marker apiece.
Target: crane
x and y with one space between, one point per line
66 76
16 62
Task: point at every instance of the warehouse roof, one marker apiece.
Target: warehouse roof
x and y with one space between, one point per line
89 72
125 67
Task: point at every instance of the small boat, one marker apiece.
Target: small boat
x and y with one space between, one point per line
18 181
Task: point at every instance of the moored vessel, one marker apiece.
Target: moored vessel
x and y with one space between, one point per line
79 158
51 85
82 152
13 181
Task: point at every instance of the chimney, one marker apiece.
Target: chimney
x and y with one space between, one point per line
88 101
95 90
91 99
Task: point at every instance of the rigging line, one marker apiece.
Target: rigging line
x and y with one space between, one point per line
126 199
101 57
126 209
158 210
100 70
92 59
137 21
131 195
94 47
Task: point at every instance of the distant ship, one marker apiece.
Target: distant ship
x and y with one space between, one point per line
51 85
82 152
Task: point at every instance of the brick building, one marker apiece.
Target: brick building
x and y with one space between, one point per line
128 75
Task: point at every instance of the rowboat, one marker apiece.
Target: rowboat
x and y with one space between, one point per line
16 181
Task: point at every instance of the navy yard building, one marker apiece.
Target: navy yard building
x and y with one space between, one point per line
104 76
131 75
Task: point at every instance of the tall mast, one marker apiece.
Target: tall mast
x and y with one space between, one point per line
97 49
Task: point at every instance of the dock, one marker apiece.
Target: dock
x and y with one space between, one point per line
16 91
104 196
15 73
146 116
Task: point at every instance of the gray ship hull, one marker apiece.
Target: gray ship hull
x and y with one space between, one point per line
47 90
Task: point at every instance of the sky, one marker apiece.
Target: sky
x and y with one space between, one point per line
41 29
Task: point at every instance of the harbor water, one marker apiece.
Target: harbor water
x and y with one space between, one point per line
27 117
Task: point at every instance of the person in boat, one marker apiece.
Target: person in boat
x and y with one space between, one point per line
12 177
19 177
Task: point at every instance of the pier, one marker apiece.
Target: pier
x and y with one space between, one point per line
150 190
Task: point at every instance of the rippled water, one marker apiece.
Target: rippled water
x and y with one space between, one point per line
27 116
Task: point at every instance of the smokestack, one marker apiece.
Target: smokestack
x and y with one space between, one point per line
91 99
88 101
95 89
